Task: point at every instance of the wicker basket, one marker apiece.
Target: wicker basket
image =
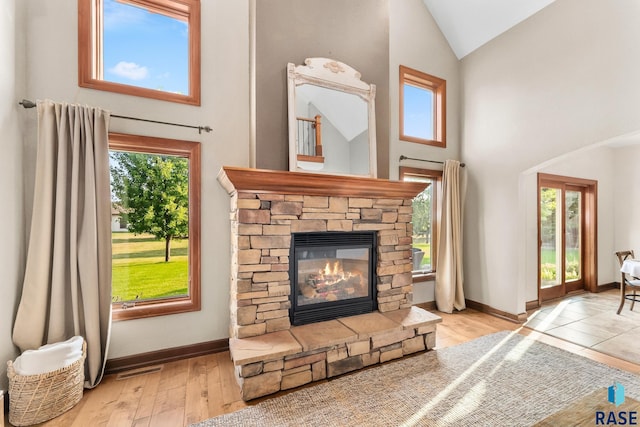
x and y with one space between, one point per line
34 399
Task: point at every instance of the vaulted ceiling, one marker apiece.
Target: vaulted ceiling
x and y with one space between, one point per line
468 24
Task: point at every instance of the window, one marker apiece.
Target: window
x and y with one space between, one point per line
155 185
424 220
148 48
422 108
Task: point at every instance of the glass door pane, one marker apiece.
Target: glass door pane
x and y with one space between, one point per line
573 235
564 245
551 237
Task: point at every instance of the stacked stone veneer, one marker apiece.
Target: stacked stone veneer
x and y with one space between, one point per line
261 227
266 207
287 359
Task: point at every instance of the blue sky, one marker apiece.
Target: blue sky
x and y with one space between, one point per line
145 49
150 50
418 112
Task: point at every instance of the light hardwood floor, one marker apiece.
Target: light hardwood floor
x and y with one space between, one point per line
195 389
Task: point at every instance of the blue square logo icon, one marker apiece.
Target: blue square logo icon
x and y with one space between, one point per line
616 394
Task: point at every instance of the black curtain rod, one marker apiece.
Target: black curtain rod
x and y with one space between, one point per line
403 157
30 104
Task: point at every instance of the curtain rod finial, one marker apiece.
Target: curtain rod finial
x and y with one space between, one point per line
27 104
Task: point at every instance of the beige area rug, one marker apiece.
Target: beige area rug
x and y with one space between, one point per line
503 379
590 320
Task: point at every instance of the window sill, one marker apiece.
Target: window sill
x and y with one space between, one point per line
152 309
432 142
420 276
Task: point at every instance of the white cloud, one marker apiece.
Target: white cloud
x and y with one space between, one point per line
130 70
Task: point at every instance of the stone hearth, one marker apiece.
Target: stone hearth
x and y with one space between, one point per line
266 207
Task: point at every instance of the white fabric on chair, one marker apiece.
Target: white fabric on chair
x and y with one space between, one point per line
632 267
49 358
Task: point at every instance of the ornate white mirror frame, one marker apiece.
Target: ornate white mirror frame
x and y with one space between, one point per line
345 97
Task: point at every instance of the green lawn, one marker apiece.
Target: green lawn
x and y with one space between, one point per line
139 270
549 255
548 267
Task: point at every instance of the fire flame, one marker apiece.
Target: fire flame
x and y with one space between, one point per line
335 271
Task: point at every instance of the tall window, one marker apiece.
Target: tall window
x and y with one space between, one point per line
422 108
424 220
148 48
155 186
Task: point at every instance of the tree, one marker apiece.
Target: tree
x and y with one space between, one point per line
548 208
154 192
421 218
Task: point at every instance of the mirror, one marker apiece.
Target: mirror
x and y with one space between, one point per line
331 119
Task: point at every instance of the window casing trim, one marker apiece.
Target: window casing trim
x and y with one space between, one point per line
191 151
439 88
90 66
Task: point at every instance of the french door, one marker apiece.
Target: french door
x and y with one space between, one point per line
565 259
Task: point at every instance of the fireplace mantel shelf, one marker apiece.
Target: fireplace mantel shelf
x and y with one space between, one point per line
284 182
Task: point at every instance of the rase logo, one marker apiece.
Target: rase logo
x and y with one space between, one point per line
615 395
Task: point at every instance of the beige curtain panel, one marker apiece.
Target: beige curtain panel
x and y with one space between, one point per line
67 282
449 293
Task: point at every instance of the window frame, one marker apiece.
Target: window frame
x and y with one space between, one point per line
191 151
436 176
439 88
90 48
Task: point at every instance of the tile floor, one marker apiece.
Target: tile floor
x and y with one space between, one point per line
590 320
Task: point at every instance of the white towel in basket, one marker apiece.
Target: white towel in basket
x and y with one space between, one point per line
49 357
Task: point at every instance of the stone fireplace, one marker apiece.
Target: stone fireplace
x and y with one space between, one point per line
330 255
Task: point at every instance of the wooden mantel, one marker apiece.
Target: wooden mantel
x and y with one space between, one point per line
235 179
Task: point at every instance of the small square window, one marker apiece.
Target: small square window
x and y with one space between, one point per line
422 108
148 48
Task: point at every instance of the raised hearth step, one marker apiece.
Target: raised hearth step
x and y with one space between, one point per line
326 334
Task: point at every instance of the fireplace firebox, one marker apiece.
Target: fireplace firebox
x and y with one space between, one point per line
332 275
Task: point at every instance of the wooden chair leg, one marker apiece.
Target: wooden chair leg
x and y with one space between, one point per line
633 301
622 290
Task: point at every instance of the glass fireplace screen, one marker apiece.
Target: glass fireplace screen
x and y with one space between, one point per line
333 275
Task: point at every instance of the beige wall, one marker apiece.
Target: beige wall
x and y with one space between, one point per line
626 178
355 32
523 100
44 70
416 42
51 73
566 78
11 178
